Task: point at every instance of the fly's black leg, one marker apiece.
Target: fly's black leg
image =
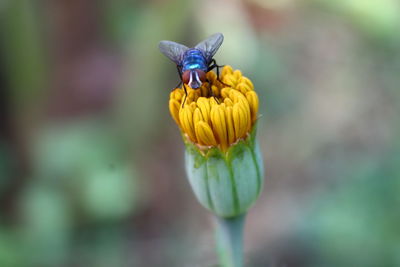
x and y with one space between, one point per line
180 77
180 82
179 68
215 65
184 100
211 91
178 85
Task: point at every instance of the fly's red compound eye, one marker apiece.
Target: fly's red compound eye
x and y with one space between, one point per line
186 76
202 75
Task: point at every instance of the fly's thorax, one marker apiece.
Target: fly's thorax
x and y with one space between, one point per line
194 59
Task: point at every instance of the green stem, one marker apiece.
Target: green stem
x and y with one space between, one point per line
230 241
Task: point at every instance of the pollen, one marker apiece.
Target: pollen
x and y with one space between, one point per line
219 113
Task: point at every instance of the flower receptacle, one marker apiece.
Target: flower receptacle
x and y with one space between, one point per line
226 182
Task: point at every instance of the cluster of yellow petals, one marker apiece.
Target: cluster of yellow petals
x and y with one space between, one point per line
218 119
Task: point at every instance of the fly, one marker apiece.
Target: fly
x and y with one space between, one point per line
193 63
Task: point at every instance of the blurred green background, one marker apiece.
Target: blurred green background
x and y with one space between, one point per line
91 164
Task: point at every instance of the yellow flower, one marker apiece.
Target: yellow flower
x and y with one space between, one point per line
218 116
223 160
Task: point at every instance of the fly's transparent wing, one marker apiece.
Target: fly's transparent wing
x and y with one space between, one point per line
172 50
210 45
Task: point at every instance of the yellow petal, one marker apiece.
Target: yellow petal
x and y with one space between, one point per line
219 124
243 122
215 91
243 88
186 119
226 70
204 89
228 102
237 74
229 80
225 92
176 94
236 121
213 102
246 111
204 105
247 81
229 125
211 76
193 106
197 116
174 107
205 134
252 98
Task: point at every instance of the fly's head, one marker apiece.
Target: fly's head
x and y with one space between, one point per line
194 78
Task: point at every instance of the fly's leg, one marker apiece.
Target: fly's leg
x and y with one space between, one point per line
177 86
211 91
184 89
179 68
184 99
215 65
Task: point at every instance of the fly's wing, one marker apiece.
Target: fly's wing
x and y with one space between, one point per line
172 50
210 45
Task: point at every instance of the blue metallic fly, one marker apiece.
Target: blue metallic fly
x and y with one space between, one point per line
193 63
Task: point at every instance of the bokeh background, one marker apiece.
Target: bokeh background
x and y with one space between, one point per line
91 164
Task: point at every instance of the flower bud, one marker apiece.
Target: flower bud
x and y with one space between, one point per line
218 124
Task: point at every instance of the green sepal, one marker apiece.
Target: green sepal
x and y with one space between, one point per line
226 183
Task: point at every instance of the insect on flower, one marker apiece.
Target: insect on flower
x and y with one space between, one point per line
193 63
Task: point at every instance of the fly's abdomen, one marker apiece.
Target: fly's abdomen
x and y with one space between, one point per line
194 59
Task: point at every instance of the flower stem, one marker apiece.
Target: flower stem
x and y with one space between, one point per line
229 234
